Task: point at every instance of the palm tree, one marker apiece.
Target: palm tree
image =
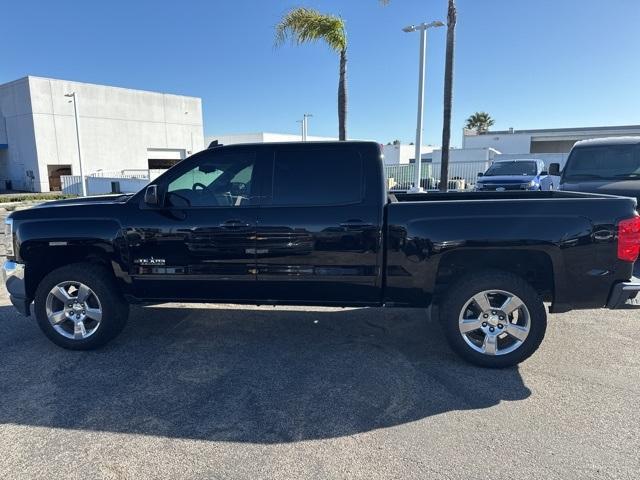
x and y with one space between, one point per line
452 18
480 121
304 25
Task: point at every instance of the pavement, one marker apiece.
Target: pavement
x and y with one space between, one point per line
229 392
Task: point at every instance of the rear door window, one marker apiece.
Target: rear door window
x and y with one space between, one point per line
322 176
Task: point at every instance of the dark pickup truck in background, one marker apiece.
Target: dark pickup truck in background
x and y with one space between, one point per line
603 165
312 224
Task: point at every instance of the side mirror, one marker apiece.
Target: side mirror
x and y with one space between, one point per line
480 174
554 169
151 196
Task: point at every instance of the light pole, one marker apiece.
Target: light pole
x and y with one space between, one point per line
422 28
75 113
305 125
301 122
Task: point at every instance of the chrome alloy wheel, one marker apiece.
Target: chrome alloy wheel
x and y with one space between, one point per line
73 310
494 322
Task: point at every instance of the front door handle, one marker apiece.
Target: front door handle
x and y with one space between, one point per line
235 224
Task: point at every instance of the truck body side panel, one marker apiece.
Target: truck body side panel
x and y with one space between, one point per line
577 235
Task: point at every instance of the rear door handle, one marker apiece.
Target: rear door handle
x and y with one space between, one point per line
235 224
356 224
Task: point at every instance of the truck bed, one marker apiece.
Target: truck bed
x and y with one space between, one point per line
573 234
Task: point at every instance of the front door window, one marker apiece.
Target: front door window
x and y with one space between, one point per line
220 181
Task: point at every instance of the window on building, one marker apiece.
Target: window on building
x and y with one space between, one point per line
317 177
161 163
55 173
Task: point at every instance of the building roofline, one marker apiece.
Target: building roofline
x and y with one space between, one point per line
558 130
27 77
12 82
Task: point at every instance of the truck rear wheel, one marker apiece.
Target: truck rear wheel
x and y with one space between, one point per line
493 319
79 307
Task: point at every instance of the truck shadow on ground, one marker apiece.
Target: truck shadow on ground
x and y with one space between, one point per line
254 375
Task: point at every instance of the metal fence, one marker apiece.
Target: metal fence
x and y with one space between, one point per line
462 175
141 174
99 185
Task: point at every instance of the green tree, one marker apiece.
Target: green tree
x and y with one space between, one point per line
480 121
304 25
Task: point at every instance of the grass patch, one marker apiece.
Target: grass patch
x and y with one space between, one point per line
30 197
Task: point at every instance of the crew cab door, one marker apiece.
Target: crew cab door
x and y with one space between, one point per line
200 242
319 232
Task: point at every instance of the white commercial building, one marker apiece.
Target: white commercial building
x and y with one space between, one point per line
551 145
120 129
403 153
463 155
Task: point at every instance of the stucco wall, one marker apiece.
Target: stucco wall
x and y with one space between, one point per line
18 133
458 155
403 153
117 127
506 143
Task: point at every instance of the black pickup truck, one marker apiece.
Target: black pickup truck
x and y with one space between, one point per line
313 224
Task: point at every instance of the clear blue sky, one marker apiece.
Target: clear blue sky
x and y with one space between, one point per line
530 64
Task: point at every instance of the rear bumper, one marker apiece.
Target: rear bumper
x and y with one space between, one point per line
622 292
13 276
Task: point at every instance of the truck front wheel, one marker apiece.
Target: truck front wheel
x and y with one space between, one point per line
493 319
79 306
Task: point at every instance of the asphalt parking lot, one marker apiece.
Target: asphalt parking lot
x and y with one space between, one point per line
264 393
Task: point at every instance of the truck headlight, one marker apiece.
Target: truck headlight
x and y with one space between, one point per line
529 185
8 237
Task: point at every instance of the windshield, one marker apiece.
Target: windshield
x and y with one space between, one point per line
608 162
512 168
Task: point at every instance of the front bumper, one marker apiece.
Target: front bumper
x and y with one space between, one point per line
622 292
13 276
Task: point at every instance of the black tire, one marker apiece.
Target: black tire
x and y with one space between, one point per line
462 291
115 310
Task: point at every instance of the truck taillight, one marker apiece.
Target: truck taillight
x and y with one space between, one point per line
629 239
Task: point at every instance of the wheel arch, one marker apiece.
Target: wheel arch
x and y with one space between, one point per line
534 266
46 261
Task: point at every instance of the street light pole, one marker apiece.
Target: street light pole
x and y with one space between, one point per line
305 124
75 113
422 28
301 122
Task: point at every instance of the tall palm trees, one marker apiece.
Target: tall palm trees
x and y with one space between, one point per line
480 121
304 25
